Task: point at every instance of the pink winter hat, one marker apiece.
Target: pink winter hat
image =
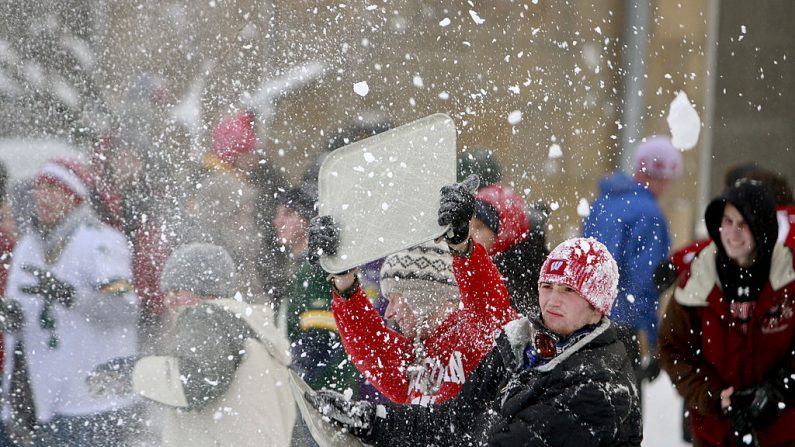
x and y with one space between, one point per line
658 158
585 265
234 135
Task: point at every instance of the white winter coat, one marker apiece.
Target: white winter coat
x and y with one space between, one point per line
101 324
257 408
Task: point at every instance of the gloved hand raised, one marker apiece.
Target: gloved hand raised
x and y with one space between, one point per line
324 238
112 377
356 417
456 208
48 286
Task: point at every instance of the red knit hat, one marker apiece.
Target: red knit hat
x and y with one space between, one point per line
234 135
585 265
513 227
69 175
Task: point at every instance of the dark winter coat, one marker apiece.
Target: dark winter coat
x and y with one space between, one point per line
520 265
627 219
584 397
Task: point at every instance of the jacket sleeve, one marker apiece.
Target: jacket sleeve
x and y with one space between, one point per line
456 422
648 245
483 291
209 346
380 353
679 345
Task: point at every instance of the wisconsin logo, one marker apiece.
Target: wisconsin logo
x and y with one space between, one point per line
556 267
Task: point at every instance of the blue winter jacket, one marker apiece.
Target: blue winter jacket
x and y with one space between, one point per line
628 220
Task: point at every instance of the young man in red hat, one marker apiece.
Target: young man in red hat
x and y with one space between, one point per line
562 378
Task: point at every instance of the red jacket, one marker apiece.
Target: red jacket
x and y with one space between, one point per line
452 351
705 351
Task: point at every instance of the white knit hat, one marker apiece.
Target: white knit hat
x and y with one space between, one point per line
203 269
423 275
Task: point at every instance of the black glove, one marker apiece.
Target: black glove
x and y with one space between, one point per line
664 275
112 377
324 238
356 417
767 404
740 416
11 318
456 208
48 286
650 367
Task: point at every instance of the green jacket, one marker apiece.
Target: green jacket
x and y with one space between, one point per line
315 345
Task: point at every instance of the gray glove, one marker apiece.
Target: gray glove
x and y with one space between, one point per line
324 238
48 286
112 377
456 208
356 417
11 317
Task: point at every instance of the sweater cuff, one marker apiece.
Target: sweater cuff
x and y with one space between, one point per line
467 252
349 292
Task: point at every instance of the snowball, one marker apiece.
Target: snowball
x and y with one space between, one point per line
445 22
583 208
555 151
418 82
515 117
684 122
476 18
554 206
361 88
368 157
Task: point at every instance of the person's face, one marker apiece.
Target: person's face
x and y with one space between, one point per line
658 186
736 237
52 203
125 167
290 228
179 298
563 310
399 311
247 162
482 234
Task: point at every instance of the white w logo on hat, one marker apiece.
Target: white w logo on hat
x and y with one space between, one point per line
557 267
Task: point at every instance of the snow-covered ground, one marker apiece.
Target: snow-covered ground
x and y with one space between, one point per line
662 414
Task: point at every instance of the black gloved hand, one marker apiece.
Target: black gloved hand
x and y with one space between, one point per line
650 367
767 404
356 417
664 275
48 286
740 416
456 208
11 317
112 377
324 238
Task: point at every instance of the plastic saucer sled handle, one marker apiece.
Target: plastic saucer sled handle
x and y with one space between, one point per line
383 191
